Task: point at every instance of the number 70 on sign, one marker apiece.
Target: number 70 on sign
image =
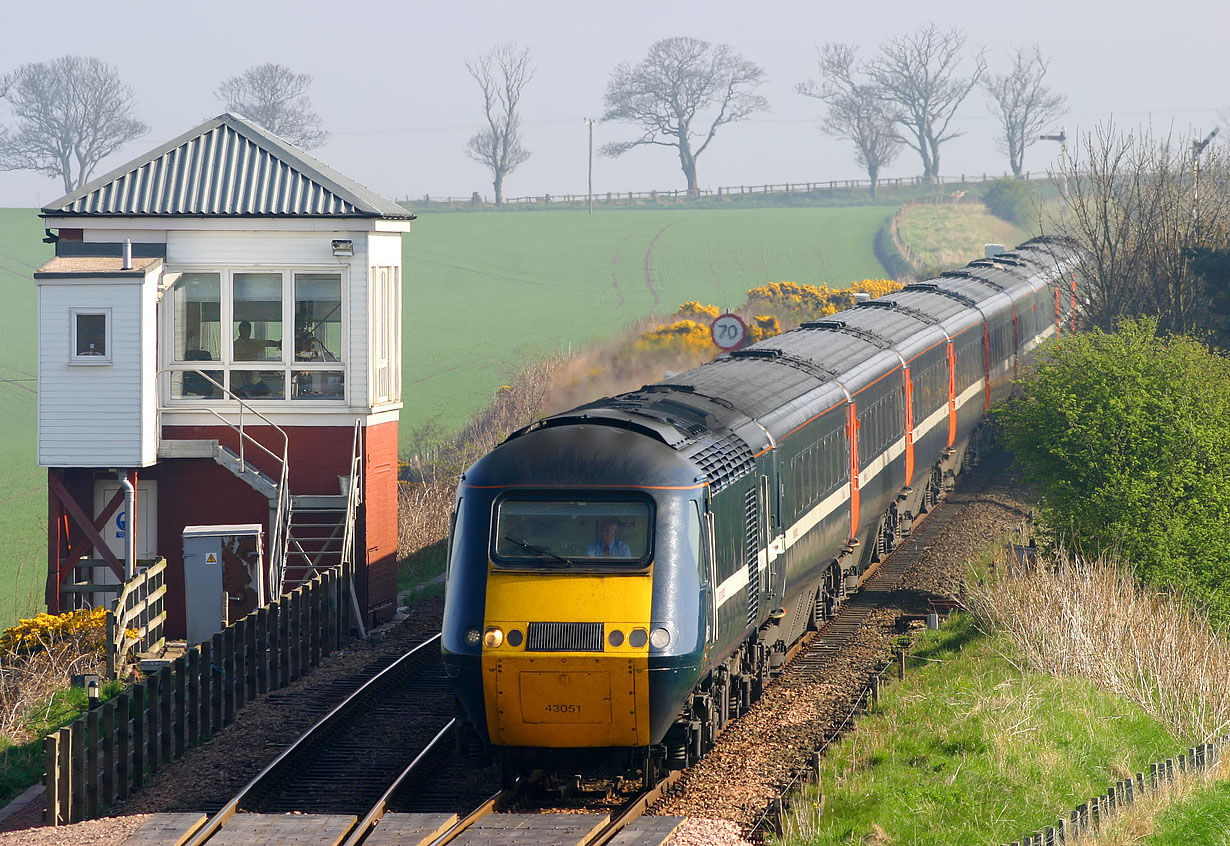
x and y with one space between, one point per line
728 331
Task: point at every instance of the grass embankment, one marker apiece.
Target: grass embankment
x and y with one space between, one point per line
949 235
23 486
972 749
1072 678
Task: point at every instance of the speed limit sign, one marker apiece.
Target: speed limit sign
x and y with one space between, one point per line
728 331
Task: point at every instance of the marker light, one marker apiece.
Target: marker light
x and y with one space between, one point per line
514 637
473 636
493 638
615 638
659 638
637 638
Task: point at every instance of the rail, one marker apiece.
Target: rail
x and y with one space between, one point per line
321 727
280 522
103 756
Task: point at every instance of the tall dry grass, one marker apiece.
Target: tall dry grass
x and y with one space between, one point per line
1090 618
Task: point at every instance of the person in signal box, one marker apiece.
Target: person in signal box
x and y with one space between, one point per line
607 545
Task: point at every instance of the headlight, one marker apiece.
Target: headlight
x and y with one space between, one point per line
473 636
659 638
493 638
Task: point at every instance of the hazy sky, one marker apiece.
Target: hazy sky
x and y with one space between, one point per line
391 85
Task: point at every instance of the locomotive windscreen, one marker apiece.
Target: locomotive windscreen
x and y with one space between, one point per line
542 532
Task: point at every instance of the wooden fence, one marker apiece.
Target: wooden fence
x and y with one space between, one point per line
136 622
674 195
106 754
1088 817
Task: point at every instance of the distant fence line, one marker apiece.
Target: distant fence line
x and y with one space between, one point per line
625 198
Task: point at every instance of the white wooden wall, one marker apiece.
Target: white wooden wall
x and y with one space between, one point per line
98 415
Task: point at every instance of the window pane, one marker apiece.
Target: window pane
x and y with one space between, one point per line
258 317
91 334
197 303
319 384
552 534
188 384
318 317
259 384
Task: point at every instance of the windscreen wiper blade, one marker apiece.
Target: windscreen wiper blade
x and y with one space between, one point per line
542 553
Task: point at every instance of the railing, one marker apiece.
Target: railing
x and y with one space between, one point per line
105 754
617 198
353 499
135 621
281 519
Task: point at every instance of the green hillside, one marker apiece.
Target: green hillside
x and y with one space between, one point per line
485 293
23 487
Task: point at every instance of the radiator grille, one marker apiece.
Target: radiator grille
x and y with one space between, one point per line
564 637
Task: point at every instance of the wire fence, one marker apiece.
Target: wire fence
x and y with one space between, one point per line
676 195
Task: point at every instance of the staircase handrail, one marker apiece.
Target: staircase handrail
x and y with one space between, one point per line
353 498
277 542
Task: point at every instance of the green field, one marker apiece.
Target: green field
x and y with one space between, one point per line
486 293
23 487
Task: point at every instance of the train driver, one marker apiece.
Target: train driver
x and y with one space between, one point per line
607 545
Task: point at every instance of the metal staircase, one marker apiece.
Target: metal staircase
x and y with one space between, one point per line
307 533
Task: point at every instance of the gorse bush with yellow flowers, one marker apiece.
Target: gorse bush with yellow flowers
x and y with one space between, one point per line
84 630
794 303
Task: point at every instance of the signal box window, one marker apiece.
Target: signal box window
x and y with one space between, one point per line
566 533
90 336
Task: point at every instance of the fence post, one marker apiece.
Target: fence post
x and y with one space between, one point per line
51 781
228 675
292 634
249 649
262 650
166 699
275 645
149 739
108 754
218 686
305 630
194 697
180 721
92 742
123 744
77 767
239 639
315 595
206 670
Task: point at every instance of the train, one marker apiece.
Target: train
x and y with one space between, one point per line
625 577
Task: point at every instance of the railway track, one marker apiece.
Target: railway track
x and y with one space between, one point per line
356 755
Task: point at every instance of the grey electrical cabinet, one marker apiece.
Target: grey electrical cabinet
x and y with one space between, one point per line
224 576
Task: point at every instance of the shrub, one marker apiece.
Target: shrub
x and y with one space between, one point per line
1127 436
1010 199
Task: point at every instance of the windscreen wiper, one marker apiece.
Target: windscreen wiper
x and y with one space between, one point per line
543 553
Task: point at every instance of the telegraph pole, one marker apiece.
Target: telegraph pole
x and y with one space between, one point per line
591 164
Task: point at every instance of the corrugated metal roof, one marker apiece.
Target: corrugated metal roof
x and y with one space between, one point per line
227 167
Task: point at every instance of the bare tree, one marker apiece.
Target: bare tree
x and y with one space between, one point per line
275 97
679 95
918 74
1137 209
502 74
1024 104
71 112
856 112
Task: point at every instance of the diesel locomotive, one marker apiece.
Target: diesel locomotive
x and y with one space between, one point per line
624 578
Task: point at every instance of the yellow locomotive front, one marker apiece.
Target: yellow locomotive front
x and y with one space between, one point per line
565 658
